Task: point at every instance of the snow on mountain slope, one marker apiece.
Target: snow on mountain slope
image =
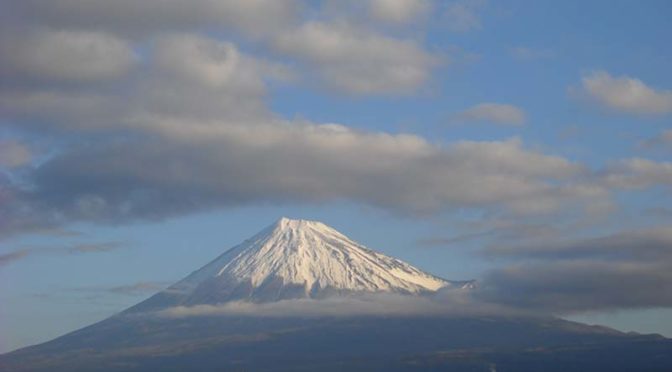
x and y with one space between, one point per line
299 259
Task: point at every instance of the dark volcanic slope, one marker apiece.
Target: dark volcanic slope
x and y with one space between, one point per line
334 344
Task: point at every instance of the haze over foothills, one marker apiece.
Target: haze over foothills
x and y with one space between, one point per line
525 145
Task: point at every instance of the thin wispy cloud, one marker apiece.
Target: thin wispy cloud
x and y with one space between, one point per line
110 296
133 289
442 242
29 251
139 288
464 15
95 247
10 257
531 54
496 113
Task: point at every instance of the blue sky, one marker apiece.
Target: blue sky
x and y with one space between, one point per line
438 132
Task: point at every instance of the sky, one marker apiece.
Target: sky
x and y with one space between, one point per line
526 145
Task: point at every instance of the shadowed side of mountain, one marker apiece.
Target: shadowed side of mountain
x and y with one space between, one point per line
137 343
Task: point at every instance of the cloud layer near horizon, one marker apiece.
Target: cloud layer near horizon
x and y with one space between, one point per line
448 303
624 270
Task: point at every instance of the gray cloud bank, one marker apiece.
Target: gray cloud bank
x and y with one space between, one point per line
625 270
188 134
155 119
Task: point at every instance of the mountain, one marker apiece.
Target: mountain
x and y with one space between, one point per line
302 262
294 259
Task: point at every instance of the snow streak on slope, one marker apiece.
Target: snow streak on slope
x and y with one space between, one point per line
301 259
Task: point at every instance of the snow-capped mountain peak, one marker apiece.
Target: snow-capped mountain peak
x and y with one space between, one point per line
301 259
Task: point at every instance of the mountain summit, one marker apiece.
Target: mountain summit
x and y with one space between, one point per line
297 259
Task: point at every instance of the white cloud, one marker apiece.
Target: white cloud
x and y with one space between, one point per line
626 94
184 75
463 15
358 61
497 113
446 303
398 11
212 63
203 78
65 55
392 305
201 60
